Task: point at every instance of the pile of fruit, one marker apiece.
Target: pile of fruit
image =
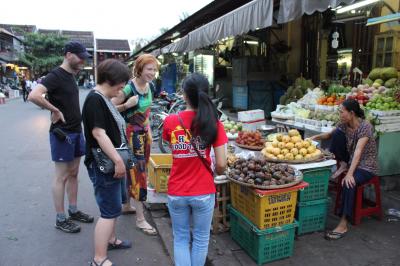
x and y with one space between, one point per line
260 173
331 100
386 76
250 138
232 126
383 103
291 148
328 116
296 92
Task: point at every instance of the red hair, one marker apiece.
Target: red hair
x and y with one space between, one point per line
141 61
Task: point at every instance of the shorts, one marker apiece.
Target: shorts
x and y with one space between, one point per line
69 149
108 192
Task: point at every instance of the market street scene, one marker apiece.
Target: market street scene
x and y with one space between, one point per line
246 132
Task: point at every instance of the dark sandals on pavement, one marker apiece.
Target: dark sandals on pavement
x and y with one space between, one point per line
123 245
94 263
332 235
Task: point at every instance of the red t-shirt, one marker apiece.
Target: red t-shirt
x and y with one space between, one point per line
189 176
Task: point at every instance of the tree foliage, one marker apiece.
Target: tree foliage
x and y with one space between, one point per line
43 51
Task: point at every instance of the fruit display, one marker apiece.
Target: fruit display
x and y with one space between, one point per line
258 172
232 126
331 100
338 89
383 103
386 76
291 148
250 138
311 97
297 91
328 116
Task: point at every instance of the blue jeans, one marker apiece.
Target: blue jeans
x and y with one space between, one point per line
201 209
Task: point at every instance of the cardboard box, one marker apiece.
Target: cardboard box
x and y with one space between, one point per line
251 115
253 126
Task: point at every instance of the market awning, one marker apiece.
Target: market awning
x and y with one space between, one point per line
383 19
253 15
290 10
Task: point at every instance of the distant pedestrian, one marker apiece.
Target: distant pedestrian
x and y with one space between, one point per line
66 138
191 189
24 90
105 129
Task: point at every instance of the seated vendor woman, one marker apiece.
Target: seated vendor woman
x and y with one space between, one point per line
354 147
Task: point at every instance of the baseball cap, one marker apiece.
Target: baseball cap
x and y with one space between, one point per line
76 48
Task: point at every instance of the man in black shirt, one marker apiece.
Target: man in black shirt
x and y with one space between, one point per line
66 139
24 90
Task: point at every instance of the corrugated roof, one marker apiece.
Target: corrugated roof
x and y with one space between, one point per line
84 37
16 29
112 45
47 31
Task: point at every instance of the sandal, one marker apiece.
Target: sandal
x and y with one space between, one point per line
148 231
129 210
123 245
332 235
94 263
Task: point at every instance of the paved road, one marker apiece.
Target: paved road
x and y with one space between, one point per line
27 233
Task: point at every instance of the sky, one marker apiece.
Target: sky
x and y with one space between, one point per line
117 19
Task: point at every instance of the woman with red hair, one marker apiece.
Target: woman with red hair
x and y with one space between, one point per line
134 102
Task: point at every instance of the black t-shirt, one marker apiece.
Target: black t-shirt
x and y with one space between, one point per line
63 93
95 113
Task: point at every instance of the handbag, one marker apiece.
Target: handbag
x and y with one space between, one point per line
104 163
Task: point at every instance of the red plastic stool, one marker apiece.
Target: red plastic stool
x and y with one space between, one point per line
372 208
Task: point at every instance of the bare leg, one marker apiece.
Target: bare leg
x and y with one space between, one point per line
127 207
105 228
141 220
58 186
72 181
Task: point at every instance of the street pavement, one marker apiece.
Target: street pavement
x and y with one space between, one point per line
27 218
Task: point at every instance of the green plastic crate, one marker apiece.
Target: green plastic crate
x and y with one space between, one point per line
311 215
318 181
262 245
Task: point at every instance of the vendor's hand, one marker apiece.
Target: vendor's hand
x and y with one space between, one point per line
120 170
132 101
349 181
57 116
313 138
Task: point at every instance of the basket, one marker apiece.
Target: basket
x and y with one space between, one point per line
311 215
318 181
266 208
262 245
159 170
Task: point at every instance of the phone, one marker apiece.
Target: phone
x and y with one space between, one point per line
60 134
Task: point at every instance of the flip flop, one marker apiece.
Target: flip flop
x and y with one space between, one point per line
94 263
123 245
129 211
331 235
148 231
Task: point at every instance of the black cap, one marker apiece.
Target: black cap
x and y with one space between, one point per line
76 48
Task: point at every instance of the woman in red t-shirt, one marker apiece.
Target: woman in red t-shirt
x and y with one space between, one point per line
191 189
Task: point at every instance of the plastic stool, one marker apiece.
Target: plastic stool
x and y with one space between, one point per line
373 208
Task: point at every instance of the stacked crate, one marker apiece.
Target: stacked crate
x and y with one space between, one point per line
312 206
262 221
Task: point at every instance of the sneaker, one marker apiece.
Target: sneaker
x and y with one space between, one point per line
68 226
81 217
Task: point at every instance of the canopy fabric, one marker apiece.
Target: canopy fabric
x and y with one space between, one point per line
383 19
253 15
290 10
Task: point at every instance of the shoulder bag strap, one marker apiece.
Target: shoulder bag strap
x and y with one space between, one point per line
195 148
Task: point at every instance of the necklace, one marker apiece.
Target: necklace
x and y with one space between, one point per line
142 90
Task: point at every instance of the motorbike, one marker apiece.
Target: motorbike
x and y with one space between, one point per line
180 106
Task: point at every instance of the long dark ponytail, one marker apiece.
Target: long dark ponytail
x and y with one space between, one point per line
352 105
204 124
